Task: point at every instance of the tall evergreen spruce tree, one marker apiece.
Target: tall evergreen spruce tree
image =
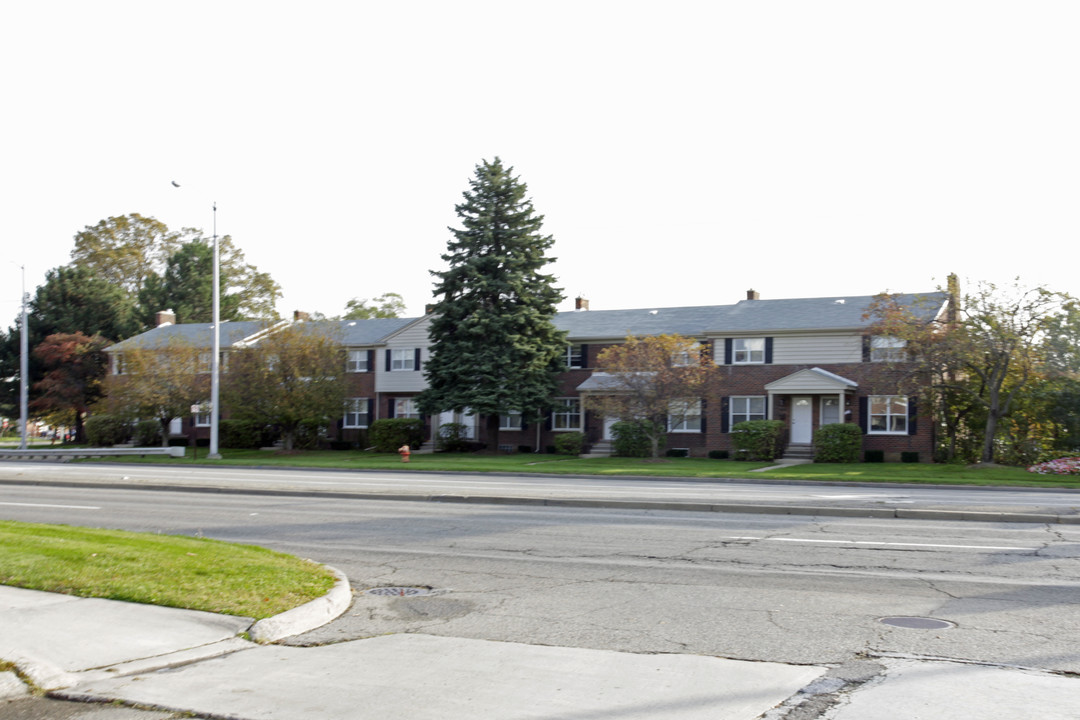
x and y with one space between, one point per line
494 348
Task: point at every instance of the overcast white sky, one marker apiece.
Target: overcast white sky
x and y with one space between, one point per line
681 152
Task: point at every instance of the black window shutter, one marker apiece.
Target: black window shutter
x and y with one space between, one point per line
725 414
866 348
390 407
864 413
912 414
768 351
706 352
371 361
584 355
702 416
727 352
389 362
370 408
548 422
416 359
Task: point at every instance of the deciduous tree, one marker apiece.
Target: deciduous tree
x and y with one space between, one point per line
665 380
161 382
291 377
74 366
494 346
387 305
981 357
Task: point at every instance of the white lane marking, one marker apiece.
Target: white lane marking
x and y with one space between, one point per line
893 544
42 505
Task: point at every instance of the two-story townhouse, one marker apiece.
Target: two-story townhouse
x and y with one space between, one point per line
807 362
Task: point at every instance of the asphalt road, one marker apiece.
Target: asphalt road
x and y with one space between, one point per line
794 589
590 488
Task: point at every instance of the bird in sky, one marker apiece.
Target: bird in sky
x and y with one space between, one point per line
175 184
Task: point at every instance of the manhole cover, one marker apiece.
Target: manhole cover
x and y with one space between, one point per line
917 623
398 591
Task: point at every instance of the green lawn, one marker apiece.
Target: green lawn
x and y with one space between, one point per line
923 473
170 570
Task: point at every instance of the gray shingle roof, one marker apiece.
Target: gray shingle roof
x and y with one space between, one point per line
352 332
834 312
195 334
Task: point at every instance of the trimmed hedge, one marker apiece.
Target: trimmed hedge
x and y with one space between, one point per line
388 434
757 439
147 433
632 438
837 443
569 443
240 434
106 430
453 437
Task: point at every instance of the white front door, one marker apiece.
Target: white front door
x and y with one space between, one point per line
608 422
802 419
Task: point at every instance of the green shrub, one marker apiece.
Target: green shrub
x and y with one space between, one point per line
106 430
874 456
525 448
388 434
837 443
757 439
569 443
718 454
678 452
632 438
909 456
453 437
147 433
240 434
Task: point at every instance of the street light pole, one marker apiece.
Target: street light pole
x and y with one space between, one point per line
24 365
215 360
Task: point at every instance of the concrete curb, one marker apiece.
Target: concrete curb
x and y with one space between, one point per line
749 508
308 616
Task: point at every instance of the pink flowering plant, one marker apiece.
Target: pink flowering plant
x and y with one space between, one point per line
1061 466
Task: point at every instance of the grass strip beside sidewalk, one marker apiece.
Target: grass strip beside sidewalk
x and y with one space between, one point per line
169 570
701 468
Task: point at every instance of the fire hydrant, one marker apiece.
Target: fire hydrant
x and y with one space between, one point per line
404 451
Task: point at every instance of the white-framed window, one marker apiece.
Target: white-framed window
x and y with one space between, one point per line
575 356
402 360
684 416
118 364
357 362
746 351
510 421
566 415
272 362
747 407
405 408
202 416
204 361
888 414
884 348
830 410
356 413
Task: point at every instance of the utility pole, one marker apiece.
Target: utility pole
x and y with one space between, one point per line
24 365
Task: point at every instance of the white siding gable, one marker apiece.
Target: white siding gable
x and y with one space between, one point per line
816 348
409 338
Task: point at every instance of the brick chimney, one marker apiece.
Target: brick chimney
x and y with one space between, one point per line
581 303
300 316
753 295
164 317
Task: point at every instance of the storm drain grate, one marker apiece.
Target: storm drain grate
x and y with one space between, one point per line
917 623
398 591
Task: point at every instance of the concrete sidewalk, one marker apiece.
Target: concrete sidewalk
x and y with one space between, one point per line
189 661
